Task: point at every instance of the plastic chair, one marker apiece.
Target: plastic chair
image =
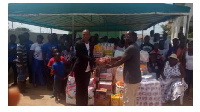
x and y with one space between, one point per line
182 89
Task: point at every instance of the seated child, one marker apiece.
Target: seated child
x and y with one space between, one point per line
155 65
156 50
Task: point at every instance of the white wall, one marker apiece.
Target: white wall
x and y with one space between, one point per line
33 36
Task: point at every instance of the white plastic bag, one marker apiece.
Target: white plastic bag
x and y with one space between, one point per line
119 73
144 56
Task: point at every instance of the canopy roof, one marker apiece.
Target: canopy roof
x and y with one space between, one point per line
95 16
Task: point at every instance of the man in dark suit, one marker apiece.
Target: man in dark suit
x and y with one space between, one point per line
83 67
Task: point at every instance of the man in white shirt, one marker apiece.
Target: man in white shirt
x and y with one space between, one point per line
83 67
151 37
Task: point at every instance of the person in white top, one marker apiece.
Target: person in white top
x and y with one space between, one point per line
189 68
151 37
36 61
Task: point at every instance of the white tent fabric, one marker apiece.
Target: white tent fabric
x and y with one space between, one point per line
181 21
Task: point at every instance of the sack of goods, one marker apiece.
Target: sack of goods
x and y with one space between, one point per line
119 73
119 87
106 76
92 82
71 91
144 56
116 100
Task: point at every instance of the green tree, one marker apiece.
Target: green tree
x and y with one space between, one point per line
166 28
20 30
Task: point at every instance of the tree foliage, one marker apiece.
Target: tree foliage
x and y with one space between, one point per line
21 29
166 28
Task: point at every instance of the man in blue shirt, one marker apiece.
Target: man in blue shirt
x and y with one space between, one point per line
47 49
59 76
12 55
174 48
55 39
28 44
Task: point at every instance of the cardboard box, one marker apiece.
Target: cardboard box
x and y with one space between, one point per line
102 102
101 93
107 85
106 76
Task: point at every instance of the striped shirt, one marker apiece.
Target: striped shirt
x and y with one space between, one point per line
21 49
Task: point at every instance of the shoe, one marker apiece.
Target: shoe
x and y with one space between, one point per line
14 84
56 101
52 96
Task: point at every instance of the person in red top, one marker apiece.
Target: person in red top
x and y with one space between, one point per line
50 63
158 52
52 60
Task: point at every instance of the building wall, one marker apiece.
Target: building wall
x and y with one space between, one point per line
33 36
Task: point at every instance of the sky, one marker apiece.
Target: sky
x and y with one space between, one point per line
36 29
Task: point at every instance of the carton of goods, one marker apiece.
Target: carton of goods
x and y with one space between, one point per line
101 93
106 85
109 53
119 87
106 76
102 102
98 54
110 70
116 100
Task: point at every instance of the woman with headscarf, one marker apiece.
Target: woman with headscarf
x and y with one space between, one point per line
172 80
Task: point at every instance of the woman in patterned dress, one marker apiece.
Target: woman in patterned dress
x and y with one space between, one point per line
172 85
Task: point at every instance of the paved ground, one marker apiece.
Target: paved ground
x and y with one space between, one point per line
40 96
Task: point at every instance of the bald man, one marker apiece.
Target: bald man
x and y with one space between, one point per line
83 67
131 73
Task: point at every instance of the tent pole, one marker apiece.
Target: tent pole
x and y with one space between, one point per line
187 27
142 34
51 30
73 30
40 29
12 25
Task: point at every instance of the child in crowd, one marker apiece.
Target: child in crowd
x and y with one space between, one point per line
58 68
155 65
50 64
21 64
158 52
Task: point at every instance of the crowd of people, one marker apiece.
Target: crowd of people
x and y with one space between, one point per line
50 63
38 61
